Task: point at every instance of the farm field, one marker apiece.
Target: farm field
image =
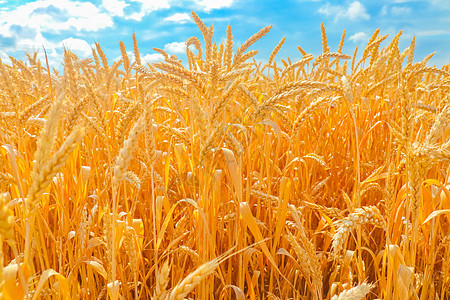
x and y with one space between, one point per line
225 177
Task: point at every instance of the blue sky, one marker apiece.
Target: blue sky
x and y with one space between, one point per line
28 25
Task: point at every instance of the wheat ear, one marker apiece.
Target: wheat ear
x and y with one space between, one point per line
181 290
6 217
229 48
162 279
125 154
137 56
43 178
275 51
47 137
363 215
356 293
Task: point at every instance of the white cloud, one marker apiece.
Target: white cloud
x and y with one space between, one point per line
136 16
115 7
27 27
359 37
147 6
56 16
400 10
33 43
396 11
27 24
77 46
179 18
151 58
355 11
208 5
175 47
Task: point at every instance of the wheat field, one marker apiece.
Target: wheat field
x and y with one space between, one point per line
223 177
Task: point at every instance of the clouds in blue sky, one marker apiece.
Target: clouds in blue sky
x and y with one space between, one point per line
26 26
353 11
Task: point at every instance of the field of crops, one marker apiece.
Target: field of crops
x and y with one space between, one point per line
226 178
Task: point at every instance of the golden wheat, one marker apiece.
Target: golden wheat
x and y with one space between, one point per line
225 176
